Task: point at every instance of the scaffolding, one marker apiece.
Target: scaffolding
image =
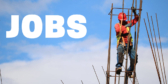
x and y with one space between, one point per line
136 36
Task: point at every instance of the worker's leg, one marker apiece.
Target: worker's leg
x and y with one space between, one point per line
120 57
132 58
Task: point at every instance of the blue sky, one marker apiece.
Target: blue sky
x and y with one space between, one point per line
22 49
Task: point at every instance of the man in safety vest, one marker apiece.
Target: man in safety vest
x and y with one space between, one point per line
122 30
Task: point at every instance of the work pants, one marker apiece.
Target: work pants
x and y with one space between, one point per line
120 56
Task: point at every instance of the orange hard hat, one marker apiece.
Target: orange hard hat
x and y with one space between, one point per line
122 16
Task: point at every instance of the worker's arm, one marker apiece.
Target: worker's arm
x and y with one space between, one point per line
135 20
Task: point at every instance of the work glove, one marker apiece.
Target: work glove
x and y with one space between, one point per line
133 10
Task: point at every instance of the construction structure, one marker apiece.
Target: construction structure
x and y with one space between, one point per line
159 63
158 60
136 36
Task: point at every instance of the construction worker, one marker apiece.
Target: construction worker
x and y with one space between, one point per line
122 30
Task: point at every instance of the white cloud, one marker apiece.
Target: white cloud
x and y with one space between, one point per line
163 39
72 62
23 6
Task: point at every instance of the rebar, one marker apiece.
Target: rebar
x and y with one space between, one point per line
135 27
81 81
104 71
117 15
1 76
126 78
62 82
108 63
137 40
153 47
96 74
115 76
157 50
123 6
126 8
152 51
161 48
119 79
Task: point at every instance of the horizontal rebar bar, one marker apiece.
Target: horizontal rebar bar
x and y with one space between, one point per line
117 15
126 8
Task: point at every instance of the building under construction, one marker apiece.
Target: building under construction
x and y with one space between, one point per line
159 65
124 77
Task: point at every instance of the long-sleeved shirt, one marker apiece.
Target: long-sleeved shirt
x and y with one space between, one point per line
124 30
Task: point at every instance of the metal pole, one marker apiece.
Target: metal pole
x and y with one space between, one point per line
152 51
115 76
126 8
108 63
123 6
104 71
96 74
119 79
62 82
1 76
161 48
135 27
126 77
157 50
137 41
154 47
128 44
82 81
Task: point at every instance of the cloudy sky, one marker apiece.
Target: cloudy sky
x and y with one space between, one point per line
49 60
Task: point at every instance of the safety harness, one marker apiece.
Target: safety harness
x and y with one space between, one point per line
120 39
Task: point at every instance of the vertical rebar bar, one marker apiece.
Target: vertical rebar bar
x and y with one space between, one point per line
104 71
161 48
62 82
96 74
82 81
119 79
1 76
126 77
140 7
135 27
157 50
108 63
115 76
152 51
154 48
128 44
123 6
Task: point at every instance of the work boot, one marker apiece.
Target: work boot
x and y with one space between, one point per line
118 69
131 76
131 68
